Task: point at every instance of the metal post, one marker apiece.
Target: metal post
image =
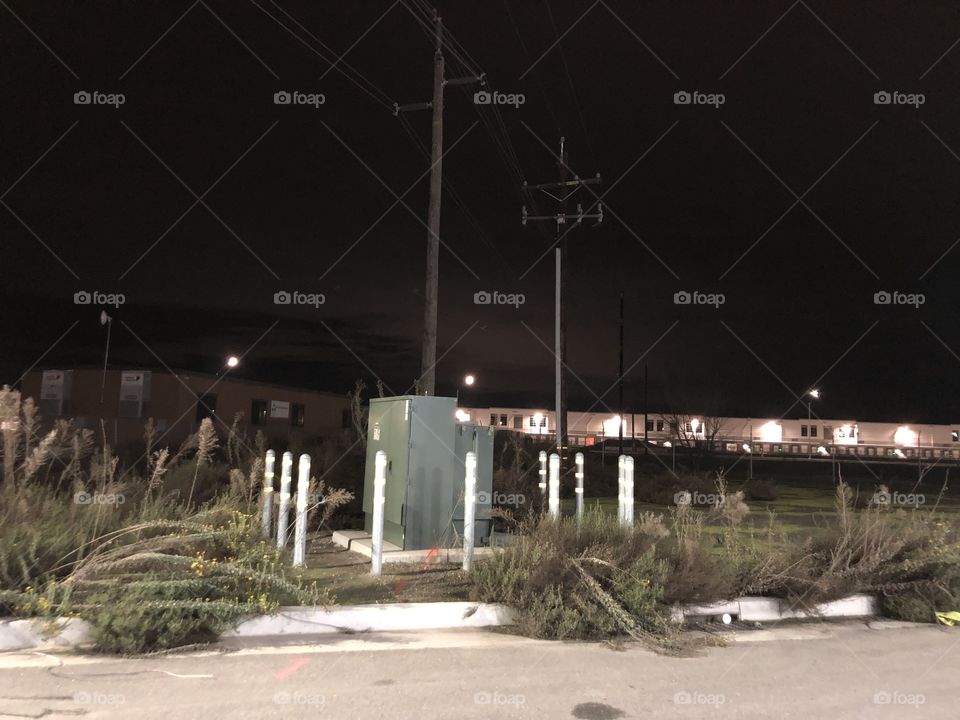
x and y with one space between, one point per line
379 488
555 486
620 488
267 519
543 477
286 467
628 492
300 526
469 509
579 475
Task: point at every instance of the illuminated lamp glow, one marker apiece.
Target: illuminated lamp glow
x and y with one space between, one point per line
771 432
463 415
905 436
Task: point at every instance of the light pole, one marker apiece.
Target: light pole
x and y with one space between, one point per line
811 396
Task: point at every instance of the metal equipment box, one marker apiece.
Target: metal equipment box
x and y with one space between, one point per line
426 450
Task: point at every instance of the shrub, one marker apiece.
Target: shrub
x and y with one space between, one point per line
597 581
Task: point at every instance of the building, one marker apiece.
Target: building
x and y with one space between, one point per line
178 401
763 436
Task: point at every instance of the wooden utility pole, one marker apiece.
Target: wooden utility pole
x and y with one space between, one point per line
561 192
428 359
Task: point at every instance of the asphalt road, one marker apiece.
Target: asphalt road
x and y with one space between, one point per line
809 671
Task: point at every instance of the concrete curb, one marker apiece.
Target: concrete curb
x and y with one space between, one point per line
765 609
375 618
60 634
70 633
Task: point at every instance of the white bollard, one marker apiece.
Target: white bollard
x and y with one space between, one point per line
578 458
379 488
267 519
555 486
543 477
300 525
628 492
469 508
620 499
286 467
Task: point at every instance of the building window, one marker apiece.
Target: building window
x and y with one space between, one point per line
803 431
258 412
660 425
533 421
955 435
296 414
649 424
493 419
813 431
688 427
518 422
206 407
503 421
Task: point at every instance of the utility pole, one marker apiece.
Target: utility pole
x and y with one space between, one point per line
428 359
561 192
620 378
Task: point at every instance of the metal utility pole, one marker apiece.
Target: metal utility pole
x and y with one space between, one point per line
561 192
428 375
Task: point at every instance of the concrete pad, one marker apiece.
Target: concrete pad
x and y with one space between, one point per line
361 542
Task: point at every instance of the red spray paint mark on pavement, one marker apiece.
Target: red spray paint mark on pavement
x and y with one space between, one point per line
291 668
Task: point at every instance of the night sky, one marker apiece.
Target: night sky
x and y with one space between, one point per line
798 198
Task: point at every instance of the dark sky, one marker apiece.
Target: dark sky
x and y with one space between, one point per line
878 208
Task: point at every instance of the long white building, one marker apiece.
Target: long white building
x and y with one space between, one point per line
766 436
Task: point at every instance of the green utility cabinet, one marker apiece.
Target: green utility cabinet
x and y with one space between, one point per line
426 449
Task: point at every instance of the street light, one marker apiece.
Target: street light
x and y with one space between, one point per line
812 395
468 380
233 361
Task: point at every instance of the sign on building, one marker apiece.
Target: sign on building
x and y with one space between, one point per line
280 409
